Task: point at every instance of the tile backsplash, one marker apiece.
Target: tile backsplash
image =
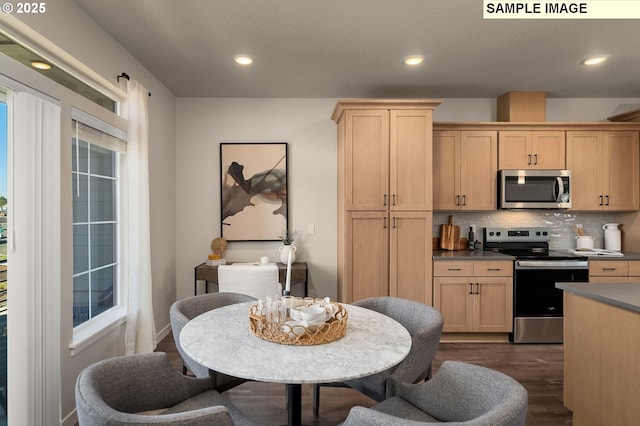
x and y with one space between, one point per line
560 222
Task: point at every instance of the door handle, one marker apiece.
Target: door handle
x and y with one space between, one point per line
470 288
529 159
606 197
601 200
384 199
535 159
457 200
384 223
395 223
464 200
477 288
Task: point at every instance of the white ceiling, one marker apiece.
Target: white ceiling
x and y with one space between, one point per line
354 48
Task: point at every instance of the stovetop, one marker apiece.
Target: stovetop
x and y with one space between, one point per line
525 243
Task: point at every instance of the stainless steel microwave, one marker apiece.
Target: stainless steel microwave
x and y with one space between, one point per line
534 189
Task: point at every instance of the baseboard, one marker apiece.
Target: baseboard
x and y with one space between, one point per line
163 333
474 338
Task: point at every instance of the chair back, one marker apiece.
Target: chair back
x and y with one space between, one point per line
475 395
258 281
183 311
424 324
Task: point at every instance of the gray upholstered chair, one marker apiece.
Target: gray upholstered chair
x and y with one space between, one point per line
146 389
459 393
424 324
183 311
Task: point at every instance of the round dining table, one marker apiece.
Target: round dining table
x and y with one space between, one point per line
221 340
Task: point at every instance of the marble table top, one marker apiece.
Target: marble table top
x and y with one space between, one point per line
221 340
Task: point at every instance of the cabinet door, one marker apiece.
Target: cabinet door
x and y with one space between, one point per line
621 171
453 297
514 150
493 307
410 168
367 159
548 149
478 170
410 256
446 170
367 256
584 159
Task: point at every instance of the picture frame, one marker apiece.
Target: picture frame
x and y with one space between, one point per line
254 205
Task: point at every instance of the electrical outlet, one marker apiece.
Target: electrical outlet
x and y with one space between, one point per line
311 229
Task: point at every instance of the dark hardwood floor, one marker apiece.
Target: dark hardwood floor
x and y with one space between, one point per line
537 367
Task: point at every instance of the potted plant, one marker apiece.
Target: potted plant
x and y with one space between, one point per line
288 237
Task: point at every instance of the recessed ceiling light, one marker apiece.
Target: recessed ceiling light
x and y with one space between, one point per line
41 65
594 60
243 59
414 59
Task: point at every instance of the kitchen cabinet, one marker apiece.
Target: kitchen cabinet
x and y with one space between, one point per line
388 159
614 271
388 254
385 201
464 170
604 170
474 296
531 149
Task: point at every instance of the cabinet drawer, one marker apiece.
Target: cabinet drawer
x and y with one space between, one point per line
499 268
634 268
609 268
452 269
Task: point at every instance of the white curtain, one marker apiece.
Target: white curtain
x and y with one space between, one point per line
140 334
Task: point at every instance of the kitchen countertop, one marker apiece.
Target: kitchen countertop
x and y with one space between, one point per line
622 295
627 256
469 255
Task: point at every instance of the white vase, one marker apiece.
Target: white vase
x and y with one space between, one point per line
284 253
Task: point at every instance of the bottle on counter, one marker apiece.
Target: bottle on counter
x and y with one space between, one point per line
472 237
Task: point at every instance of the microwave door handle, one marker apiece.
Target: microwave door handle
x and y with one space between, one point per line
560 187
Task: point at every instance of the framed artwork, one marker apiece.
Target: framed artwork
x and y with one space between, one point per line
253 191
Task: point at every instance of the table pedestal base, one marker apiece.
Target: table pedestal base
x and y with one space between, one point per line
294 404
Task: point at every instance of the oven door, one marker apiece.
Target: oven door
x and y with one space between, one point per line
538 304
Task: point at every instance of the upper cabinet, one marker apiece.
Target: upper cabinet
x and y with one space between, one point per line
531 149
464 169
388 159
604 170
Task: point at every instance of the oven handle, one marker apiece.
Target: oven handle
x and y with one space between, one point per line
552 264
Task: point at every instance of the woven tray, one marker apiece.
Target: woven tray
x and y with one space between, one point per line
333 329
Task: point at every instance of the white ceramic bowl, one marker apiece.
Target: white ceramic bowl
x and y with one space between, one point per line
312 313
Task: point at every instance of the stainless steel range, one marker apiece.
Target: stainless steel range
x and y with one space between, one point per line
537 303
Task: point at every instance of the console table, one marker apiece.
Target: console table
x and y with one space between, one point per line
209 274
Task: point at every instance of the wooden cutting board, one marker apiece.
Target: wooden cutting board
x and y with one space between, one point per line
449 235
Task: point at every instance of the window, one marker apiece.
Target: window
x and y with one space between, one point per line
96 157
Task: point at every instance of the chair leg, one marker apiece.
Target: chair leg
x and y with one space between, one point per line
184 369
316 399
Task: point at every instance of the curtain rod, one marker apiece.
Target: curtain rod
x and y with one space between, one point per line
125 75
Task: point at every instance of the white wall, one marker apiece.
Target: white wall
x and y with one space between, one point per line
202 123
68 27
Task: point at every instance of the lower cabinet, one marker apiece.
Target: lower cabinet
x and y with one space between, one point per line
474 296
388 253
614 271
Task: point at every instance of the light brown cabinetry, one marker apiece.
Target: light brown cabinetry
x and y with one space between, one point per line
384 198
605 170
614 271
464 170
474 296
531 149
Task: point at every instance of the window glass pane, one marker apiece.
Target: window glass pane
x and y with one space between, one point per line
103 249
80 197
80 248
80 299
80 156
102 161
102 290
102 203
95 222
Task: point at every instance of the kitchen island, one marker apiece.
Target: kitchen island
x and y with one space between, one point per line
601 352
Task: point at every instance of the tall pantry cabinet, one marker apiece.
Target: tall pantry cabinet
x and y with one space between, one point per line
384 198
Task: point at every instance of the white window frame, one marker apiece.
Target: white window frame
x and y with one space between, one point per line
96 327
